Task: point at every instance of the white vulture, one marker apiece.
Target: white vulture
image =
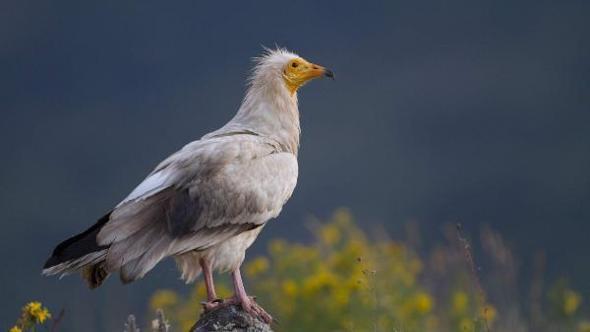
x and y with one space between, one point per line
205 204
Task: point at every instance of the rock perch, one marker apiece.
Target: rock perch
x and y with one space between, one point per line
229 318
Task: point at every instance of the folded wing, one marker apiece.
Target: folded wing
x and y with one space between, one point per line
201 196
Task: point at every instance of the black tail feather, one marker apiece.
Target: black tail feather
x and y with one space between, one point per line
79 245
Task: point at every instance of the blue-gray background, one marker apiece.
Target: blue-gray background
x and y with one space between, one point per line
477 110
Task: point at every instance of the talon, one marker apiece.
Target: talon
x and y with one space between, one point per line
212 305
256 311
248 303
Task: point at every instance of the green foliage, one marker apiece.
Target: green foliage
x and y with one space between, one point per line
345 281
342 281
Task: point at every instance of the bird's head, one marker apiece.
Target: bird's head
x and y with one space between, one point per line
288 69
299 71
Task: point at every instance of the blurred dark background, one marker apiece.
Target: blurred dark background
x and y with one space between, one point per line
470 110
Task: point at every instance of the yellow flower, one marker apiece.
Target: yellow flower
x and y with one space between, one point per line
43 315
322 280
15 329
330 234
36 312
423 302
257 266
32 307
571 302
489 313
376 284
341 296
289 288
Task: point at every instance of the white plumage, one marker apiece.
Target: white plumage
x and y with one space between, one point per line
205 204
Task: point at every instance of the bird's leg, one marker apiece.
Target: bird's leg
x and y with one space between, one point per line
248 304
212 300
208 274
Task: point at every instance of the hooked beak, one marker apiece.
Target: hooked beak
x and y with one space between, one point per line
328 73
319 71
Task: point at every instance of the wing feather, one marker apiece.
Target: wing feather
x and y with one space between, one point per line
201 196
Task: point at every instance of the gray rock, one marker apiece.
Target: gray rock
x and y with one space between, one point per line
229 318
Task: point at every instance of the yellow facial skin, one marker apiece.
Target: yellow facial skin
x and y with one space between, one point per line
299 71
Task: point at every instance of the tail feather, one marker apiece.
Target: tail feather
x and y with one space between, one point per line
95 274
81 253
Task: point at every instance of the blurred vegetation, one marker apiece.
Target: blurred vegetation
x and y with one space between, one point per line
345 280
33 315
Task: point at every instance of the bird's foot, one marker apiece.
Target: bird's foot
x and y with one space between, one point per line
250 306
212 304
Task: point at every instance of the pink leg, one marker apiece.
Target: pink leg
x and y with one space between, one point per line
247 303
212 300
209 284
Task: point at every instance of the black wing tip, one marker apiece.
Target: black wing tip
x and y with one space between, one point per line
51 262
78 245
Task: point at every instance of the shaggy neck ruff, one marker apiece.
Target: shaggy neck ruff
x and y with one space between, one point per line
269 108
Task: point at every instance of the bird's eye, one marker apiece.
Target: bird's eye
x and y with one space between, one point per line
294 64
